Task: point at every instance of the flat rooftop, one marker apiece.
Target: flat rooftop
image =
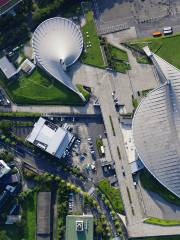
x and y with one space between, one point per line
79 227
129 142
7 67
50 137
4 169
43 215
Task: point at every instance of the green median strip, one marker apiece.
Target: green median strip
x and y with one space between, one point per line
99 144
113 195
112 125
177 237
19 114
119 154
162 222
129 196
29 215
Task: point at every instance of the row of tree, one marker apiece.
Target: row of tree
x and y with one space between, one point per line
15 29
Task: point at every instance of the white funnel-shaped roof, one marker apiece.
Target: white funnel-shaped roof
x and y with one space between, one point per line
57 44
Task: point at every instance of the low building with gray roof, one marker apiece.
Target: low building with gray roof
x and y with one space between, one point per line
43 216
7 67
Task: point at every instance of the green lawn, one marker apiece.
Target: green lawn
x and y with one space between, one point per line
29 211
166 47
158 238
93 55
112 194
151 184
118 53
117 58
39 88
120 66
162 222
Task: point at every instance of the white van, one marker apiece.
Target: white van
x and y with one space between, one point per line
167 30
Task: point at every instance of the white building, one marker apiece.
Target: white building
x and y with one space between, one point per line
4 169
50 137
27 66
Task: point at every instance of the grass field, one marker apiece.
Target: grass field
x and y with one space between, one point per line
162 222
93 55
166 47
119 53
39 88
151 184
112 194
120 66
117 58
29 208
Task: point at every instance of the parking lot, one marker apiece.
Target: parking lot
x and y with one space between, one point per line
81 151
146 16
84 152
75 203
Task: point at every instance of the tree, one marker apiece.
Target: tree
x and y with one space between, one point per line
6 156
7 140
3 236
5 126
94 203
99 228
106 202
78 189
116 223
113 213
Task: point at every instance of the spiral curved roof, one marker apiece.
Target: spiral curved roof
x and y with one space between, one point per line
156 127
57 43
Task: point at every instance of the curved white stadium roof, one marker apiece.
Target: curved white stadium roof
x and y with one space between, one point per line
58 43
156 127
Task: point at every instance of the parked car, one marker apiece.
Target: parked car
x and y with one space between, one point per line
167 30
